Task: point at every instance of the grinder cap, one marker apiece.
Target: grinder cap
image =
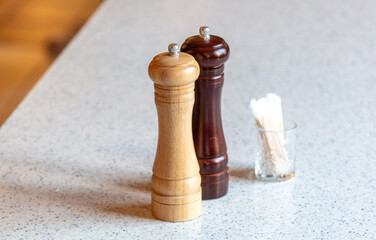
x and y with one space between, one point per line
173 68
208 50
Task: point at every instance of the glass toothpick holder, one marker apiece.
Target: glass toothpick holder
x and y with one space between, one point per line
275 154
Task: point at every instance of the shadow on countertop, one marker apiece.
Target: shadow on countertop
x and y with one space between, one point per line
244 173
55 193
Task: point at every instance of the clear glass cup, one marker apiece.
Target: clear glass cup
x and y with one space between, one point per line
275 154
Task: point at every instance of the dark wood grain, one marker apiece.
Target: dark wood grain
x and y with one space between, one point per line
208 136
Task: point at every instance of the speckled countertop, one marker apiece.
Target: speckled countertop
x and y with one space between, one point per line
76 156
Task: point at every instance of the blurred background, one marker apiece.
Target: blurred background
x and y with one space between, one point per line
32 34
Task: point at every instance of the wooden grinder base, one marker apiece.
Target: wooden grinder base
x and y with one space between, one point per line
214 185
176 212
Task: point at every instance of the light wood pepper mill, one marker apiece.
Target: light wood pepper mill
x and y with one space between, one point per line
211 52
176 191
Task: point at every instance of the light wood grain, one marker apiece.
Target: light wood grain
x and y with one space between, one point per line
176 213
176 191
20 68
32 34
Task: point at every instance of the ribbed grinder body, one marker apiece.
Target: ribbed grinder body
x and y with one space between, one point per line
211 52
176 190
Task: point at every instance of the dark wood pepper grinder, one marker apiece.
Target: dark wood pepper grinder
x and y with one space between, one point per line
211 52
176 191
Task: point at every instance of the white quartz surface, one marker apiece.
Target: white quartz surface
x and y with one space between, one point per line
76 156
